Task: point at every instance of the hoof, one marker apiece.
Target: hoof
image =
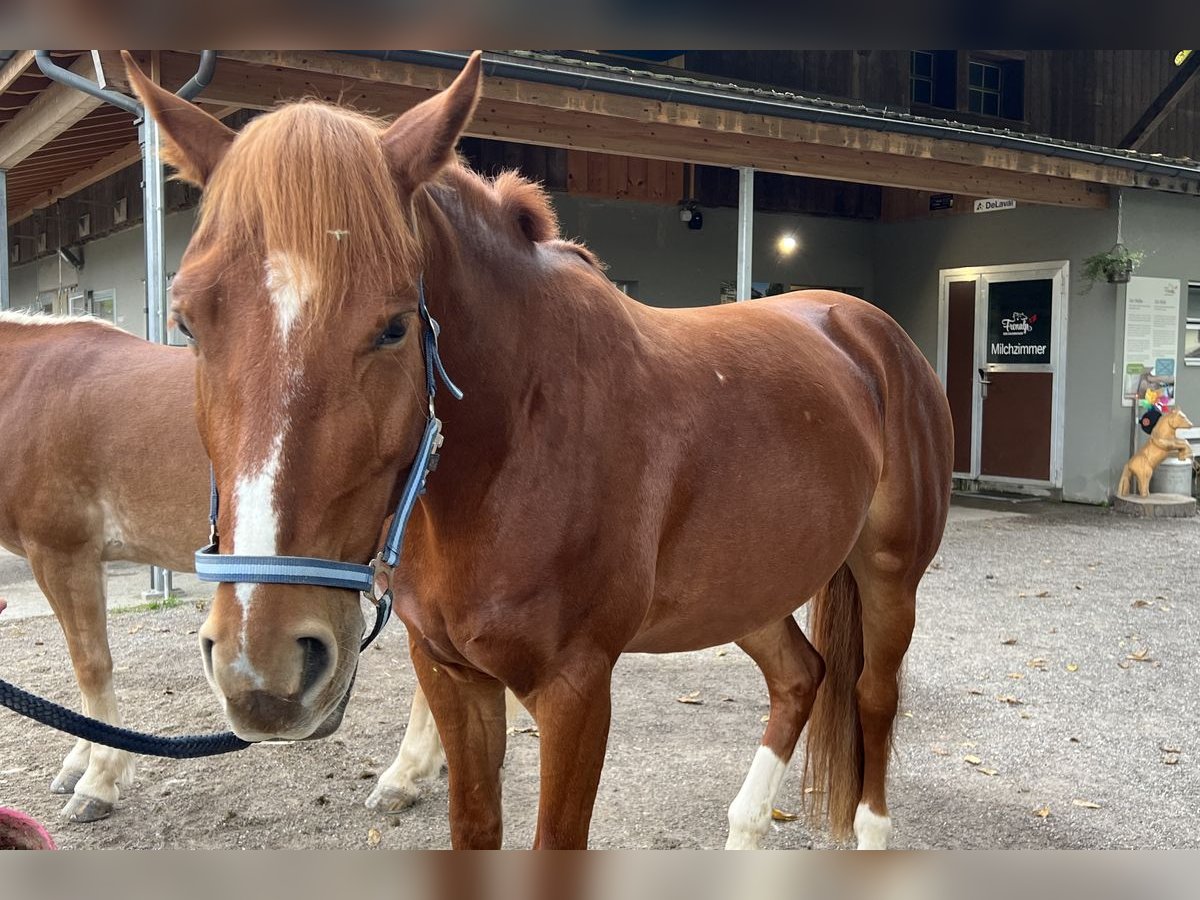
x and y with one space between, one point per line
86 809
65 781
390 800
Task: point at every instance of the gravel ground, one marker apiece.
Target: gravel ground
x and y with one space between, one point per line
1051 697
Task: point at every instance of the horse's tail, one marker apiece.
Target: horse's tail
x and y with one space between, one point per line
833 766
1123 486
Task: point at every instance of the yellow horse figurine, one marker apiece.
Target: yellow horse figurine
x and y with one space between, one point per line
1162 444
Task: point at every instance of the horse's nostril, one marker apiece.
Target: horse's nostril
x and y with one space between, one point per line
206 650
316 662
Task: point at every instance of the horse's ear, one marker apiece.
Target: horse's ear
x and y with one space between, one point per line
194 142
421 142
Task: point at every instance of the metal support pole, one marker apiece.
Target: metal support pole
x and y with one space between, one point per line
745 232
5 300
156 277
152 224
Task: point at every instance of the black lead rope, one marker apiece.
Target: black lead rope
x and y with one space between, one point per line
187 746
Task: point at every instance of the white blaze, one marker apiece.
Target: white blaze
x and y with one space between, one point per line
288 285
256 516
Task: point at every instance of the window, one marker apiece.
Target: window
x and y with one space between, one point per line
931 78
984 92
104 305
920 77
996 87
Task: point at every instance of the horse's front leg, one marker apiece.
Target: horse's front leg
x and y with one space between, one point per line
74 584
572 709
468 708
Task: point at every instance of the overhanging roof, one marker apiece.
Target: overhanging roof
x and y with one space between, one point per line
540 98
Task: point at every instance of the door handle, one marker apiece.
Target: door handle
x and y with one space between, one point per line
984 381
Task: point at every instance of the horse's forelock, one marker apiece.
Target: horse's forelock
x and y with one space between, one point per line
309 181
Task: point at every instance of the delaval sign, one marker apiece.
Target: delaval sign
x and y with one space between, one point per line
1019 322
993 204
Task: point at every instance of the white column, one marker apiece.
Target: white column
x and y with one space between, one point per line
5 300
156 276
745 231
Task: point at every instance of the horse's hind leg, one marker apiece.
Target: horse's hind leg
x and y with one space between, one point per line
887 573
793 670
74 585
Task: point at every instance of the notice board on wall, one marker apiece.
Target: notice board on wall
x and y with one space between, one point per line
1151 335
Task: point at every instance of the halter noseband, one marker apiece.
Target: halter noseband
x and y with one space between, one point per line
212 565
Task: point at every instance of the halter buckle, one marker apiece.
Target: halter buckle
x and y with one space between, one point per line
379 570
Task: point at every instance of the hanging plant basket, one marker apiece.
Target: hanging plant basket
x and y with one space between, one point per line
1114 266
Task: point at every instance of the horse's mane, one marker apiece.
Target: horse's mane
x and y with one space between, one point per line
16 317
310 180
511 198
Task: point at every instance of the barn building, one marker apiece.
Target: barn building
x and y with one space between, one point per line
961 191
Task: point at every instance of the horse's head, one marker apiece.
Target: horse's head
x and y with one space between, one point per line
1176 419
299 290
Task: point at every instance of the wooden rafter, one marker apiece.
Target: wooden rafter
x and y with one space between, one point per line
15 68
590 120
50 114
1162 105
74 181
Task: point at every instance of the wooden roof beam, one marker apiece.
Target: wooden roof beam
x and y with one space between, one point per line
51 113
588 120
1162 105
16 66
98 171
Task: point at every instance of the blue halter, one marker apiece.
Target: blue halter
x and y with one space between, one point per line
236 568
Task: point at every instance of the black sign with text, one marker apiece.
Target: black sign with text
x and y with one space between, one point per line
1019 322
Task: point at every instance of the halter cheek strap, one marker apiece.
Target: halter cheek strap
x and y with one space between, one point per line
212 565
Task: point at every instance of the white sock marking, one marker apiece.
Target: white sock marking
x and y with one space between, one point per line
871 829
750 812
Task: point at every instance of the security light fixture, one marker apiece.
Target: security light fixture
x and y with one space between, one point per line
690 215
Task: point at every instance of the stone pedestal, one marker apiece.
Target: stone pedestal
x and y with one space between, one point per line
1156 506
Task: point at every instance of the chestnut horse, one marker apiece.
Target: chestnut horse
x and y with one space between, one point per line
90 475
617 479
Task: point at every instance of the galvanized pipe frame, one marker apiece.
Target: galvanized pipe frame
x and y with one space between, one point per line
5 301
153 204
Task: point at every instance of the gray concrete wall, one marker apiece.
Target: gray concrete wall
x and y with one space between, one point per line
114 263
909 255
675 266
896 265
1167 228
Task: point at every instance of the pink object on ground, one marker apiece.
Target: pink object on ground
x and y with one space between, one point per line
21 832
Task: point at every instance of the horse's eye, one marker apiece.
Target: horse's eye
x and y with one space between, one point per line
182 325
393 334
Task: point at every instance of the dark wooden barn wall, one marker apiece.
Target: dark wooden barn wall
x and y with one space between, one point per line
1090 96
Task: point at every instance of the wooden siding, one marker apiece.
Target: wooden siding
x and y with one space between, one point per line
1090 96
60 221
